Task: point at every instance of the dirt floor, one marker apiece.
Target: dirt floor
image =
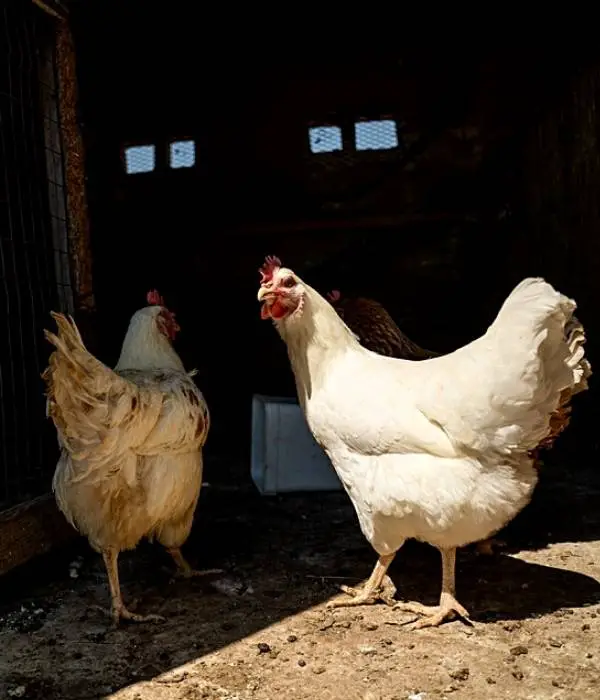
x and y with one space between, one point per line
261 631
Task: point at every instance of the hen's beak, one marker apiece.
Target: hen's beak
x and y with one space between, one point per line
263 293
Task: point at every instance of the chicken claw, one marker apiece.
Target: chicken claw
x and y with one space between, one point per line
118 611
193 573
366 595
357 597
378 587
433 615
449 608
184 570
121 613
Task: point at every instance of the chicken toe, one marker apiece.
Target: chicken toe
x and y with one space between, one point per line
361 596
378 587
121 613
118 611
194 573
449 607
184 570
433 615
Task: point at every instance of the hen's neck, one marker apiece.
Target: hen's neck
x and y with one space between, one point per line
314 339
145 348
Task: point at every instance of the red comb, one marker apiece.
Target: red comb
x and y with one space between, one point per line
270 265
334 295
154 298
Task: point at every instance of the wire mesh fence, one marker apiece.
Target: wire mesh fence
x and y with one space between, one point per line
34 265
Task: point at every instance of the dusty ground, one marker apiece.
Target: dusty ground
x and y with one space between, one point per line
264 633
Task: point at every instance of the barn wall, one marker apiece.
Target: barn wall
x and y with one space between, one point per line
559 178
559 212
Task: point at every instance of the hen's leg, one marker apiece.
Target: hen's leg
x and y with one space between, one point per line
449 607
118 610
172 535
371 592
183 567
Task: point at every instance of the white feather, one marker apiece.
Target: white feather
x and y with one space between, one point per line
437 450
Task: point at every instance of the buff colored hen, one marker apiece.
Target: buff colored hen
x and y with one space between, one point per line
131 441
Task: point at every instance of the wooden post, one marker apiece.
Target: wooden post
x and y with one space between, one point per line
73 149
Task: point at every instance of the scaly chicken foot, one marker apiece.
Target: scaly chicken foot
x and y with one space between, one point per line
378 587
118 611
449 608
433 615
184 570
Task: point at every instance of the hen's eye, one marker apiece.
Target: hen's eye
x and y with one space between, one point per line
288 282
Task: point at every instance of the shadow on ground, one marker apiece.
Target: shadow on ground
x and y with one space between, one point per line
281 555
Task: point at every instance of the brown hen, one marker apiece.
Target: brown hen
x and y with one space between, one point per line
375 328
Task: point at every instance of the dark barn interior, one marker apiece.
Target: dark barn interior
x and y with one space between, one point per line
483 188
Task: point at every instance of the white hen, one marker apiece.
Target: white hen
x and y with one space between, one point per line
436 450
131 439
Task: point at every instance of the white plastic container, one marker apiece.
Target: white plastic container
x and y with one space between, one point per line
285 456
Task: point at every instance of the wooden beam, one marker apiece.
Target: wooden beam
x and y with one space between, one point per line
370 222
31 529
73 149
54 8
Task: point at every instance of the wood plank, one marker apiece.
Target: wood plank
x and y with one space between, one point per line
344 224
80 250
55 8
31 529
